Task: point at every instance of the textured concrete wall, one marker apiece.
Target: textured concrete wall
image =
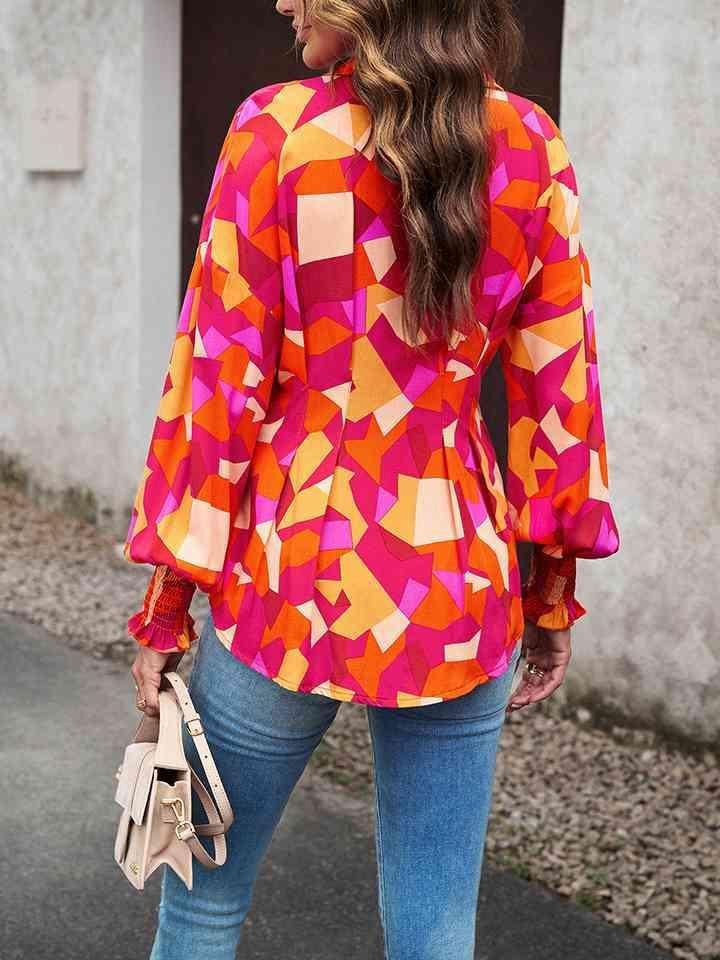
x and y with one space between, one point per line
91 258
640 115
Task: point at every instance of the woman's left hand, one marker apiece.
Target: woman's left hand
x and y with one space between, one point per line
550 651
147 670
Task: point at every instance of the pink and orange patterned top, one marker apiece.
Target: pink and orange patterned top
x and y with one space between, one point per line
334 490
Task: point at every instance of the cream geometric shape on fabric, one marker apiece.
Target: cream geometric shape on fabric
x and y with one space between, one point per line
337 122
382 255
597 489
388 630
437 514
392 412
206 539
556 433
467 650
476 581
318 627
231 470
541 351
489 535
460 370
325 224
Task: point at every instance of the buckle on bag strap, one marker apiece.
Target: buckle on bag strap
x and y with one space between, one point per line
194 727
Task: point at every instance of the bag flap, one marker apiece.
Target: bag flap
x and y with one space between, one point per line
135 754
143 785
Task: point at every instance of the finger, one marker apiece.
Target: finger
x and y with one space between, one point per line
533 692
151 689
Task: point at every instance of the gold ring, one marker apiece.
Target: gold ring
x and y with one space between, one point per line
140 703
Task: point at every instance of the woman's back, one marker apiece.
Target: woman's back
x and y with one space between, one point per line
334 487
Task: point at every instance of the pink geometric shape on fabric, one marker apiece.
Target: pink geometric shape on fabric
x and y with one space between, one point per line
184 319
289 286
359 311
454 583
249 337
374 231
214 342
242 213
335 535
478 511
169 506
498 181
385 500
265 508
511 291
500 667
412 597
200 393
530 119
419 382
259 665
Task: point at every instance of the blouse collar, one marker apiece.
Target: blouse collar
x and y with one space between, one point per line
346 67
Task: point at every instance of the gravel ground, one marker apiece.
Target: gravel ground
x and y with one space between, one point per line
613 819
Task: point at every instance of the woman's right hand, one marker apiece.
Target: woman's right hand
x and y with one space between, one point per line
549 650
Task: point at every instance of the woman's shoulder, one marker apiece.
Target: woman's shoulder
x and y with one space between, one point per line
524 125
276 110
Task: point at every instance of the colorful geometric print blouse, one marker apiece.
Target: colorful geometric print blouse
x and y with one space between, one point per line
334 490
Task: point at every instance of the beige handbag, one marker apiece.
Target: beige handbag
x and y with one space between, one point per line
155 784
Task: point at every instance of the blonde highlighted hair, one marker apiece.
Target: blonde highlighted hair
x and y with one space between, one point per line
423 68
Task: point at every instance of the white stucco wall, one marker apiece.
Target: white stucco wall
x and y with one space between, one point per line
640 114
81 247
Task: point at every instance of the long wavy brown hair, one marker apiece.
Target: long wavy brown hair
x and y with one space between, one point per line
423 68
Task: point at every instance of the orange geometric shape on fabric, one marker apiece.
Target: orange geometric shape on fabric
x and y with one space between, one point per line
299 548
172 453
213 415
290 626
323 176
483 558
370 451
450 676
437 610
320 410
369 667
324 334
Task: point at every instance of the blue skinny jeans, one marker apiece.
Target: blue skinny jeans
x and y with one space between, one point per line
434 768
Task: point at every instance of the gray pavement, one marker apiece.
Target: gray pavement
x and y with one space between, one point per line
65 721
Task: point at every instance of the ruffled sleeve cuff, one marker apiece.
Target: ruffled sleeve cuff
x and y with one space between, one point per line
549 596
164 622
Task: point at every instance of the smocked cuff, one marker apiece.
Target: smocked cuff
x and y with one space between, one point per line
549 597
164 623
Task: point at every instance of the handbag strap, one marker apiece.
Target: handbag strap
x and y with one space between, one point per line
217 807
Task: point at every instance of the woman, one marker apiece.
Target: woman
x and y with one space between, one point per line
320 468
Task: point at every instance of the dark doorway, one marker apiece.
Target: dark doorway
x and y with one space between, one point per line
228 50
